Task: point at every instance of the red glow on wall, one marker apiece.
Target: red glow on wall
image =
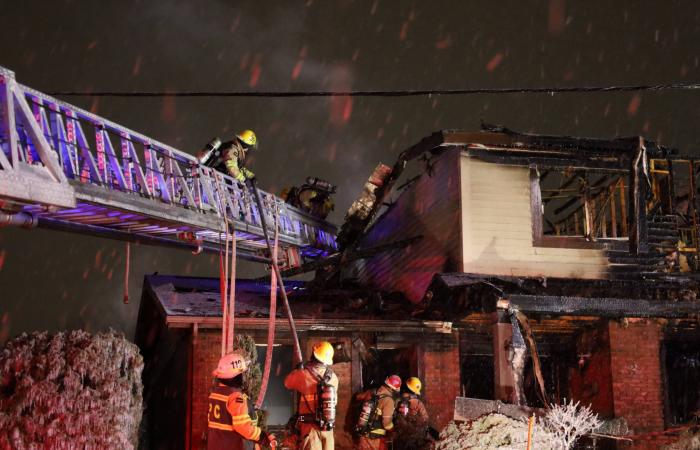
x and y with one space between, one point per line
494 62
297 69
634 104
332 152
557 16
255 74
3 254
404 31
444 43
168 111
340 108
4 327
137 65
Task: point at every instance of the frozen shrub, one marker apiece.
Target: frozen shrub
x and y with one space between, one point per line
568 422
559 429
70 390
490 432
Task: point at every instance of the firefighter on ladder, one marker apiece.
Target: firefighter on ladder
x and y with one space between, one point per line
230 156
229 422
317 387
376 419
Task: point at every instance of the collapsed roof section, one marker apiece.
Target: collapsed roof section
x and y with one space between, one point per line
497 203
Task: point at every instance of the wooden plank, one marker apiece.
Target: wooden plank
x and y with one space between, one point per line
613 212
623 208
535 204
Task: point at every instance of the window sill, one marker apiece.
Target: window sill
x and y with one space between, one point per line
579 242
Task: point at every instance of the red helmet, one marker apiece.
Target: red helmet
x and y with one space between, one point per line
394 382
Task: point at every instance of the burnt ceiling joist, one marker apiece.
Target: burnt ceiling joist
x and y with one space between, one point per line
601 307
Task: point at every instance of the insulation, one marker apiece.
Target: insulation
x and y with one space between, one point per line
559 429
492 431
687 442
70 390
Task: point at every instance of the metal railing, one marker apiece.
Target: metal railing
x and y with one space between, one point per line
57 158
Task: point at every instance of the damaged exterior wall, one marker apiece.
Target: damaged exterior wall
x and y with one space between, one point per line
179 334
428 208
472 216
497 227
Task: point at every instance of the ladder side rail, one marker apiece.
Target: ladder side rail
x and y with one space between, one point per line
62 142
181 181
153 167
135 167
9 154
90 172
48 158
113 162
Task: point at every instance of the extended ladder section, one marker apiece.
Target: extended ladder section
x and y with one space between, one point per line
68 169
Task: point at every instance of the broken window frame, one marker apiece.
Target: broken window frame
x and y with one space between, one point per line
591 216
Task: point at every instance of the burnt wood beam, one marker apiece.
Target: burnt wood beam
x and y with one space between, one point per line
598 185
504 137
566 184
546 162
637 217
601 307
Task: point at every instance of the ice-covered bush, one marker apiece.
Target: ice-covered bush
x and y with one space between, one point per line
70 390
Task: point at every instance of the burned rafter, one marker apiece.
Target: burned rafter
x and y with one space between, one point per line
601 186
600 307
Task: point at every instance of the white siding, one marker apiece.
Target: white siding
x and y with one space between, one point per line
497 228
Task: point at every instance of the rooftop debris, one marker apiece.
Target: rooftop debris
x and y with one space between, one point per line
689 441
70 390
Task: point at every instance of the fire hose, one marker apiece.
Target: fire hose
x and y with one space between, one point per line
276 271
271 323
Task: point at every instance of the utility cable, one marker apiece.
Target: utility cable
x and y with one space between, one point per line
389 93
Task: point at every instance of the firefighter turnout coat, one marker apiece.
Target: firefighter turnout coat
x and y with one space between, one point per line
230 421
304 381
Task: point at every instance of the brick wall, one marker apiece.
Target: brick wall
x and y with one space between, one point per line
438 362
439 357
636 378
207 350
590 382
636 373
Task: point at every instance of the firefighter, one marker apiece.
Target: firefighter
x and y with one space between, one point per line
317 387
411 403
314 197
412 428
230 156
229 422
378 405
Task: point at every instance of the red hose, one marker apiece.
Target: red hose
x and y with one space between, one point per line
271 323
126 273
222 279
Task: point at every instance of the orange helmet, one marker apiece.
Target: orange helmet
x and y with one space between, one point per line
230 366
323 351
394 382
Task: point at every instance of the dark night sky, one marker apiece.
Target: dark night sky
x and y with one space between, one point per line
51 280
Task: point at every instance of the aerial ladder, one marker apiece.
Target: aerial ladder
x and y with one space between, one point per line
64 168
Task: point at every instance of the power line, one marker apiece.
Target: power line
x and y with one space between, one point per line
388 93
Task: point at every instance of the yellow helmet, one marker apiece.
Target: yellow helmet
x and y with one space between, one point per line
323 351
248 138
414 385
